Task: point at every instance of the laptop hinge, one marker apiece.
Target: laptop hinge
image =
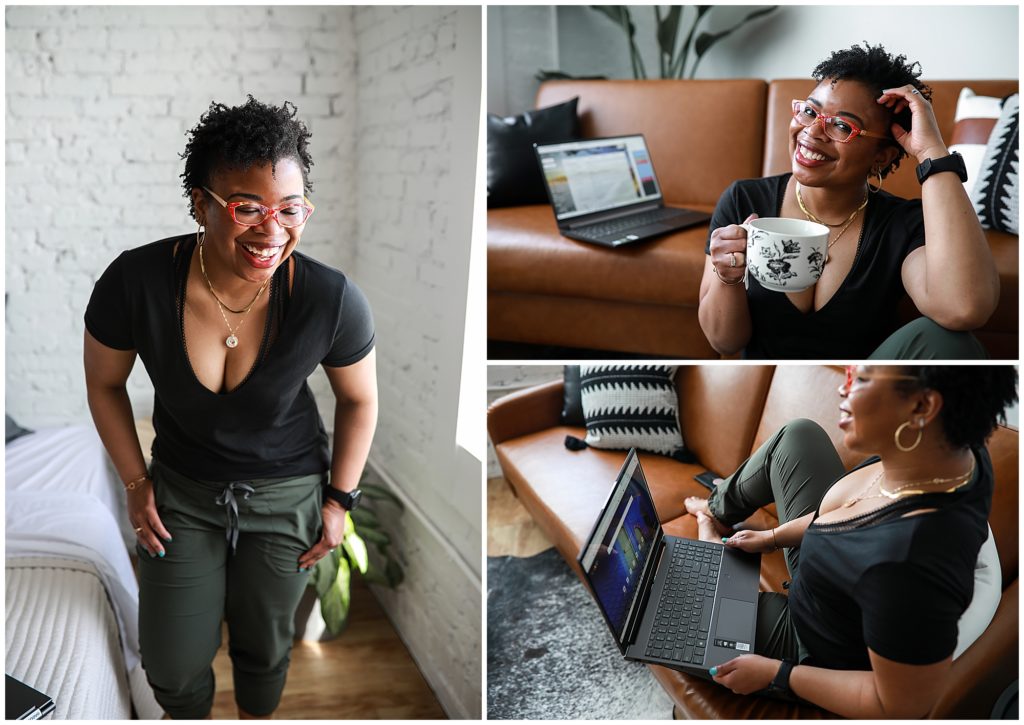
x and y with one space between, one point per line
649 575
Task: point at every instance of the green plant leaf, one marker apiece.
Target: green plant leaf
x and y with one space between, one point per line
668 30
376 492
706 40
355 547
378 538
364 517
335 602
394 573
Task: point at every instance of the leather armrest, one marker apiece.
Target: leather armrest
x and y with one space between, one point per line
987 668
526 411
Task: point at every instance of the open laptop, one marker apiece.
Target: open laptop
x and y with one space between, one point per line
681 603
605 191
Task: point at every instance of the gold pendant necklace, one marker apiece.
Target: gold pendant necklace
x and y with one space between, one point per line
862 496
844 224
957 481
232 339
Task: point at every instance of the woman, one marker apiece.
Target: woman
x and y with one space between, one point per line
868 111
229 322
882 558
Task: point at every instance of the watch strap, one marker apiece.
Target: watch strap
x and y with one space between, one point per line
780 683
348 499
954 162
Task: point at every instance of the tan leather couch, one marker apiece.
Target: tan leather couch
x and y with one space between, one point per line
543 288
726 413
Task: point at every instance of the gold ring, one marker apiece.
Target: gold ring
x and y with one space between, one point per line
138 530
732 259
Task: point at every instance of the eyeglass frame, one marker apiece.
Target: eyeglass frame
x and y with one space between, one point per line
268 211
823 118
872 376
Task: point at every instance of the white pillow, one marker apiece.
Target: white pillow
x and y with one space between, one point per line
970 134
988 589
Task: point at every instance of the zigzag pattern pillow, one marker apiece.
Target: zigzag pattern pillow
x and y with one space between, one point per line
996 196
626 406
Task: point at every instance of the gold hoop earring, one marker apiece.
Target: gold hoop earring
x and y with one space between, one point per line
200 239
899 431
875 189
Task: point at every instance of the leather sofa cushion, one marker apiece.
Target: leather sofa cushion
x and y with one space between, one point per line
696 154
526 254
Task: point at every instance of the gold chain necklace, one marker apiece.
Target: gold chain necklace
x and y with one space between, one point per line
202 267
845 225
232 339
958 482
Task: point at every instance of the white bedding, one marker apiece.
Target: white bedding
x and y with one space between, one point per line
59 506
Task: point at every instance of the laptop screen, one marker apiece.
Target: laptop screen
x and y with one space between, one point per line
618 549
597 175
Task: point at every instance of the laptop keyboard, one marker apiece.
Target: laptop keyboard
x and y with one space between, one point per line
630 222
683 619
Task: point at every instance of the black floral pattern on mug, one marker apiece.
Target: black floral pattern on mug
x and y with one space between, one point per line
816 260
777 258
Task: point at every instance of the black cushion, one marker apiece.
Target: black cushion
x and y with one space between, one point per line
513 174
14 431
572 401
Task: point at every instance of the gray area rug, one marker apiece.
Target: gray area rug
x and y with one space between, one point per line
550 655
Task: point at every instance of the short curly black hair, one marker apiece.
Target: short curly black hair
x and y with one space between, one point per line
974 397
873 66
239 137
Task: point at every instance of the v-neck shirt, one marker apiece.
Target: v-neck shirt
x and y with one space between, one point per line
895 584
861 313
267 426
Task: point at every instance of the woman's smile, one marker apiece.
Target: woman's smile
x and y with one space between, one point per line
810 156
262 256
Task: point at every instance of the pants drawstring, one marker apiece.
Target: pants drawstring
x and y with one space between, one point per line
227 499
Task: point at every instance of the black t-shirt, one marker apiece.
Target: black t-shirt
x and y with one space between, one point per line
896 585
269 425
861 313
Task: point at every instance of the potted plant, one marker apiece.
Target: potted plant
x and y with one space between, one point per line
331 579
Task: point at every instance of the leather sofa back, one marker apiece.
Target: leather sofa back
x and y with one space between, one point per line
696 155
903 182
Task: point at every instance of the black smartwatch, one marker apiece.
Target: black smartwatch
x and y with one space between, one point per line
348 499
954 162
780 684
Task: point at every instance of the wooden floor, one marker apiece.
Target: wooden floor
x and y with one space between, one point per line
366 673
510 528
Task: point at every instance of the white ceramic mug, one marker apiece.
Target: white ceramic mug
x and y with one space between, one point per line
786 255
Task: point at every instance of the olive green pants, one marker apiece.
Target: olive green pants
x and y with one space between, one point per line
923 339
793 469
233 556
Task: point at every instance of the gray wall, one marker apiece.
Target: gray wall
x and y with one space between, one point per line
949 42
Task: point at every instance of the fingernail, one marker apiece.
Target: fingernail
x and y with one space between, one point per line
713 671
302 568
152 555
160 554
168 539
724 538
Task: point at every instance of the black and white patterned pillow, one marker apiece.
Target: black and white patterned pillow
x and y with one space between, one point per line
996 195
627 406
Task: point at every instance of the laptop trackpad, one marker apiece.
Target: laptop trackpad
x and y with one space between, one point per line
734 620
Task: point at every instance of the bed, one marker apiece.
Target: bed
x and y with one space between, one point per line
71 596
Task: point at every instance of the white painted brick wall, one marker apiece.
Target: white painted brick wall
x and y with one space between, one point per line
98 103
419 87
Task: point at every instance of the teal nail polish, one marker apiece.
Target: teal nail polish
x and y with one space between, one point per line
161 554
713 671
302 568
725 538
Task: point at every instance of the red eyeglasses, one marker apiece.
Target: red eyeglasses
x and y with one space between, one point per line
252 214
837 128
851 373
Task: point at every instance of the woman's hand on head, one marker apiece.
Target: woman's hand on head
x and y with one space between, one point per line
753 541
729 243
333 534
923 140
142 515
746 674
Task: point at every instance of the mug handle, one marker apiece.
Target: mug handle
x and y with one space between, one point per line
746 267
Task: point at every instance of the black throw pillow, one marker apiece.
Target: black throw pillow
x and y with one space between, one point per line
14 431
513 174
572 401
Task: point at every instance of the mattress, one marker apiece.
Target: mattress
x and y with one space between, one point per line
62 637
